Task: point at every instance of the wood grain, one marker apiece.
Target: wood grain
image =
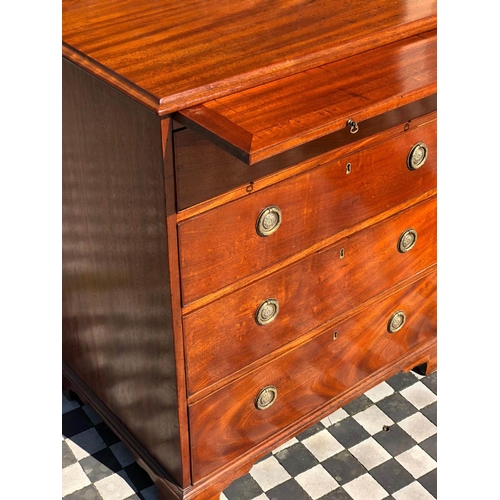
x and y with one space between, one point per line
315 205
404 362
152 297
160 476
310 292
170 55
175 298
227 424
427 364
117 321
197 158
317 102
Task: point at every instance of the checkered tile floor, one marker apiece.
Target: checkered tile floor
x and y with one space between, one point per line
380 446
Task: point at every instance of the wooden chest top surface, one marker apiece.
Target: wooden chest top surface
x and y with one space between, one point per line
231 72
170 55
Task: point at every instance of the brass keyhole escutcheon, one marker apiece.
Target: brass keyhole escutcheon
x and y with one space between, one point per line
267 312
407 240
417 156
269 221
266 397
397 321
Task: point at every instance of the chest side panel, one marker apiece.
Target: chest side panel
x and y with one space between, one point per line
117 325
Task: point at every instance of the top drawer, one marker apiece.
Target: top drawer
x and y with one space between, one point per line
223 245
266 120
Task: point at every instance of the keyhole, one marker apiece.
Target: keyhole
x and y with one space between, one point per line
335 335
348 168
342 253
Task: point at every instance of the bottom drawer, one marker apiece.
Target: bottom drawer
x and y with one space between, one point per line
228 422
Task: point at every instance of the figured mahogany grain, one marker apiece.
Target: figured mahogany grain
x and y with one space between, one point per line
314 103
170 55
404 362
223 337
314 205
227 423
196 157
117 321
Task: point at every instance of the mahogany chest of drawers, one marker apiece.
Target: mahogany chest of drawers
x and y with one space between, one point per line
249 220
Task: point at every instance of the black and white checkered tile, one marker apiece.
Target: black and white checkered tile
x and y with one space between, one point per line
380 446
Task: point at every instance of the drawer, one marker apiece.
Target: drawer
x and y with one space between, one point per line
204 171
227 423
222 246
317 102
227 335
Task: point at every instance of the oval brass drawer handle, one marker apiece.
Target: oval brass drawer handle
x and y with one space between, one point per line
397 321
266 397
407 240
268 221
417 156
267 312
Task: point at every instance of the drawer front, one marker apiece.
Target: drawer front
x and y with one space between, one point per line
204 171
229 334
223 245
227 423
